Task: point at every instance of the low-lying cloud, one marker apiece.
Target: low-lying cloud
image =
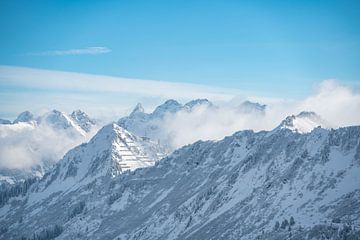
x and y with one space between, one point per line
336 104
104 96
23 146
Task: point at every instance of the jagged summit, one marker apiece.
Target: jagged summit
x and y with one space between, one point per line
198 102
150 124
60 120
111 151
169 106
304 122
137 110
25 116
83 120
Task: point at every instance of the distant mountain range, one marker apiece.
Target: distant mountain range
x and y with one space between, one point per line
298 181
77 120
150 124
34 134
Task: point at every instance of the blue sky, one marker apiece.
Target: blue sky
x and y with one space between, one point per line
273 48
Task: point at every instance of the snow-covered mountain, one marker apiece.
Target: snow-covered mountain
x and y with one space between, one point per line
304 122
83 120
113 150
266 185
24 117
252 107
31 145
60 121
151 124
198 103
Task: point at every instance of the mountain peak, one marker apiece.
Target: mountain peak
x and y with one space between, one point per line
198 102
138 109
57 118
308 114
60 120
304 122
78 112
252 107
112 150
169 106
25 116
83 120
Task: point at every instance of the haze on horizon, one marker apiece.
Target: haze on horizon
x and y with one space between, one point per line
216 50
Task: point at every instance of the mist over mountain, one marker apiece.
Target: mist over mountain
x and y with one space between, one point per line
171 174
176 125
31 145
279 184
179 120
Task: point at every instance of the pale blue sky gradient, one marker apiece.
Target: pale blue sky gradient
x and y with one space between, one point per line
273 48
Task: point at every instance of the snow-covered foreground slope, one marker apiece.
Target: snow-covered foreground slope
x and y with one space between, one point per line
236 188
30 145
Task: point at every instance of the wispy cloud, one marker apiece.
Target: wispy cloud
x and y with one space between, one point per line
92 93
111 97
80 51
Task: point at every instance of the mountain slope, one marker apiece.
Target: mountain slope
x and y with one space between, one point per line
236 188
111 151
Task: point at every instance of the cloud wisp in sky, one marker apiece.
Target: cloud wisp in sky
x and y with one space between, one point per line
80 51
35 89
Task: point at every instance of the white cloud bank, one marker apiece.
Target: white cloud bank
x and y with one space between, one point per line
24 145
103 96
338 105
80 51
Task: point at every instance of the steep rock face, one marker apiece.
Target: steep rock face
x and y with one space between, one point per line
198 102
112 151
236 188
